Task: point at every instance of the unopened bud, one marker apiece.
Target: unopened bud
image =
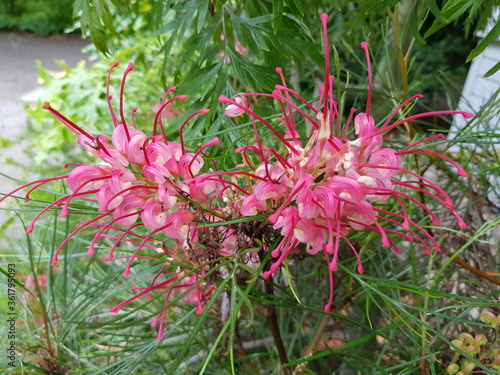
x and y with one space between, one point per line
472 350
489 318
466 337
480 340
234 110
467 366
458 343
497 358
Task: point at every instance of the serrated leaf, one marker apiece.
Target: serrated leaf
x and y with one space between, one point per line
277 14
488 39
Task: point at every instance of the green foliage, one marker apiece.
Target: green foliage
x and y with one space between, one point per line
400 316
39 16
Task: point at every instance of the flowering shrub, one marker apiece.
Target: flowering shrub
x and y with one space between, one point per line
306 192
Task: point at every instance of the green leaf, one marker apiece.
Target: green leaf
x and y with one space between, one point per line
488 39
219 4
158 12
433 7
99 40
299 4
381 5
277 14
493 70
202 15
251 74
414 26
166 28
250 31
451 11
202 82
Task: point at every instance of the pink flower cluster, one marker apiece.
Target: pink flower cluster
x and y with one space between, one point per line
140 184
321 182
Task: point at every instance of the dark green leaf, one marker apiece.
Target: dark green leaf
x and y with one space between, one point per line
488 39
381 5
202 82
493 70
433 7
219 4
451 11
202 15
414 26
98 39
277 14
299 4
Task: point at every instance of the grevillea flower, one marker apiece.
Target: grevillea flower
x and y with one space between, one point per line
319 186
140 184
233 110
307 190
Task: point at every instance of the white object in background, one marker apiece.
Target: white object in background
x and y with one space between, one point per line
477 89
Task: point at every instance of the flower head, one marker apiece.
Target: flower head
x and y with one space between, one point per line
332 179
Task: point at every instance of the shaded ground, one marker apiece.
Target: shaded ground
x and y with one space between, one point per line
18 81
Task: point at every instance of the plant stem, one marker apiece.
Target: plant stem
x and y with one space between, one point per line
273 324
474 270
275 331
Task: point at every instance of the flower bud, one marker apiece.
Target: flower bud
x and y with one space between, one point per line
458 343
234 110
452 369
466 337
472 350
480 340
497 358
467 366
489 318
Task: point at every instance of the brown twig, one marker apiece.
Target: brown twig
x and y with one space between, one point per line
272 320
474 270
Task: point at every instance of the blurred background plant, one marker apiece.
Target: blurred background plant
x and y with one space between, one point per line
400 317
41 17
